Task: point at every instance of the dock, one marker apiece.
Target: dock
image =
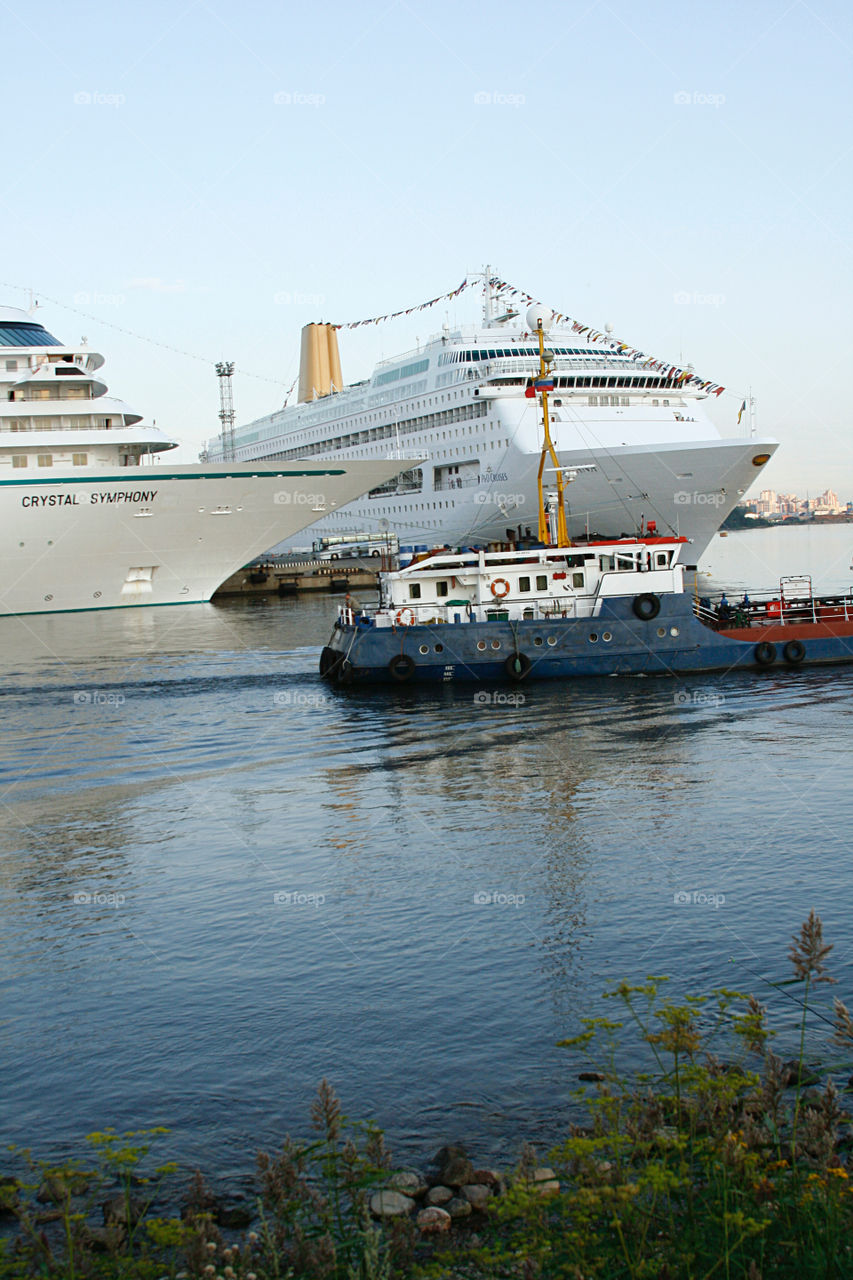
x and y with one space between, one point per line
290 575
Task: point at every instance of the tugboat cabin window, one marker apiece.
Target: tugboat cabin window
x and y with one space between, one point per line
541 582
441 588
624 564
606 563
524 584
662 559
577 580
414 591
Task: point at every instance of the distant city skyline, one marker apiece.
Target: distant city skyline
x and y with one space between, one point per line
685 181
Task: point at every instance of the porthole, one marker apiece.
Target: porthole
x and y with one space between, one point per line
537 640
552 640
673 631
661 632
424 648
606 636
481 644
593 637
496 644
439 648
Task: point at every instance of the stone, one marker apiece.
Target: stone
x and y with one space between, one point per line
439 1195
9 1198
433 1220
104 1239
56 1189
592 1077
456 1171
491 1178
123 1211
545 1180
449 1153
458 1207
235 1217
390 1204
794 1072
477 1196
409 1181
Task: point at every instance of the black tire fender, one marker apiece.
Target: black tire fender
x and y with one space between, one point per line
794 652
517 666
765 653
330 660
401 668
646 606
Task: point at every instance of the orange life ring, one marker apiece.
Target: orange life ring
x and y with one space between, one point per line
402 619
499 588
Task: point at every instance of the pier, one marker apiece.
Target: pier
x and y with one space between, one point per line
291 575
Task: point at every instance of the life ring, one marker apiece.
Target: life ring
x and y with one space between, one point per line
794 652
405 617
765 653
517 666
401 667
499 588
646 606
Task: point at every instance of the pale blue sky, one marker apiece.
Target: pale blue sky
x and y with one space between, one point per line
176 169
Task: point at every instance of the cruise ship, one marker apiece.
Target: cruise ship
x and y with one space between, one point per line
634 439
90 518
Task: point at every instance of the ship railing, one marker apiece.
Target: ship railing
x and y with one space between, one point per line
774 609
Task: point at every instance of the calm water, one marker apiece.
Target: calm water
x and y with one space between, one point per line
221 880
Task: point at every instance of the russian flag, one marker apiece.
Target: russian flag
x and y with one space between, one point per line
543 384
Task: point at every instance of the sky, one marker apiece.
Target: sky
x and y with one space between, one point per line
211 177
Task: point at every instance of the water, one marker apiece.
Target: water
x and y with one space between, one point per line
276 881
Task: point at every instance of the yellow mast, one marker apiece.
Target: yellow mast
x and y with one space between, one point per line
548 450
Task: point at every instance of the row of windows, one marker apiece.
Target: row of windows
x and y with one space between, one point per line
427 422
55 424
46 459
404 371
502 353
25 335
51 393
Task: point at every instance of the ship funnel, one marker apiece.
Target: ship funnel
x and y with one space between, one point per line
319 363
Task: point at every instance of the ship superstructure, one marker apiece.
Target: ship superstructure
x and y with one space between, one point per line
635 443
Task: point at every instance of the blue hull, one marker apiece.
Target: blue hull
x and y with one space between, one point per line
675 642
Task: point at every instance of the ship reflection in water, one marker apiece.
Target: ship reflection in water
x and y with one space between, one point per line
221 879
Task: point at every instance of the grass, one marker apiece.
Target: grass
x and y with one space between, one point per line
718 1162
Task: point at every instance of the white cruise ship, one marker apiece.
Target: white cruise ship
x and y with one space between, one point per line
636 441
89 516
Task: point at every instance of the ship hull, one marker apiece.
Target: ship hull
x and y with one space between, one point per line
673 643
687 489
156 535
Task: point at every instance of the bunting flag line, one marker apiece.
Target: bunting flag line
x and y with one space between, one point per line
395 315
683 376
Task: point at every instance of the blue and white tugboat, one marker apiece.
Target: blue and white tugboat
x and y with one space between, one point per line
558 609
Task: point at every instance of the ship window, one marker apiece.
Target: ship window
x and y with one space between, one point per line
537 640
19 459
606 563
593 400
541 582
414 591
524 584
79 459
11 364
577 579
661 559
45 459
441 588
